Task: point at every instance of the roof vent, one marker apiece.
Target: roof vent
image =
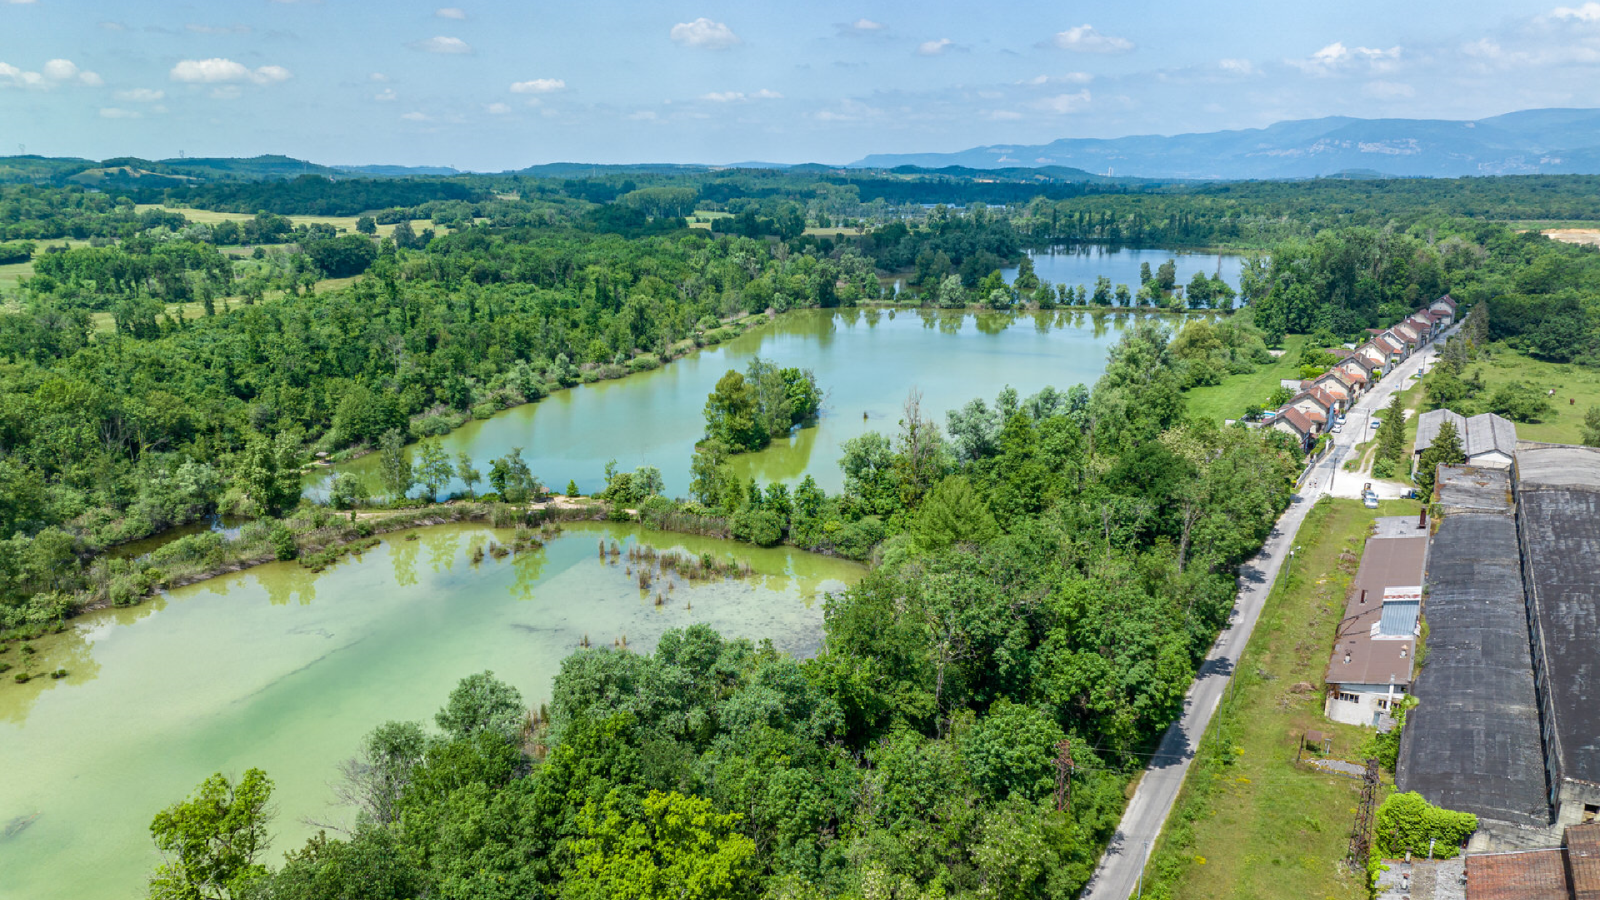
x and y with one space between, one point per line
1403 649
1347 659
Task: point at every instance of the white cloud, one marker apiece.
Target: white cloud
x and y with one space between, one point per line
60 70
387 95
1002 115
1068 78
446 45
934 48
643 115
848 111
736 96
1085 39
1389 90
378 77
112 112
19 2
53 73
225 71
451 12
219 29
704 34
113 26
415 117
859 27
1588 12
1237 66
1062 104
539 86
141 95
497 109
1337 57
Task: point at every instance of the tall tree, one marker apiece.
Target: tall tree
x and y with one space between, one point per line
211 843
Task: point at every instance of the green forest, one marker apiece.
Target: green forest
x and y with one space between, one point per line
1047 571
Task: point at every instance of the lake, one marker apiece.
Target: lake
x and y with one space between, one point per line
1075 264
286 670
866 361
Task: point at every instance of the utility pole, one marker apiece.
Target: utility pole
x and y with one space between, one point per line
1142 867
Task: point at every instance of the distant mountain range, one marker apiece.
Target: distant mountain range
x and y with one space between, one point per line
1534 141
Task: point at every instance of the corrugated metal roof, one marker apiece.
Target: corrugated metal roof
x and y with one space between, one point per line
1428 427
1399 618
1488 433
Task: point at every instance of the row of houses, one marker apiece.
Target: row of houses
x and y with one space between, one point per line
1321 401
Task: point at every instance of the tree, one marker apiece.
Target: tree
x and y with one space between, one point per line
731 415
467 472
268 475
210 843
433 467
1591 427
1519 403
393 467
1392 432
367 225
676 848
1444 451
375 781
1167 275
482 703
347 491
511 477
1407 822
952 513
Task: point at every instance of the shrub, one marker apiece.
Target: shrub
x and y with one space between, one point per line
761 527
282 540
1408 822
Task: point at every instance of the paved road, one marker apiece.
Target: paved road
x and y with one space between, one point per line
1117 877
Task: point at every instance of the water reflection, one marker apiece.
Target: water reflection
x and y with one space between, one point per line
285 669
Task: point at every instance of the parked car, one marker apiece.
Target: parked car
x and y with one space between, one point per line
1370 501
1376 422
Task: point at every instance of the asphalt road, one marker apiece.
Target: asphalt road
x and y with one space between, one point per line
1117 877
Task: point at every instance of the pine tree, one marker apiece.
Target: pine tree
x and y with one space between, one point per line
1445 450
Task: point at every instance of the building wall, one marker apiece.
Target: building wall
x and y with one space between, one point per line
1365 709
1578 799
1494 459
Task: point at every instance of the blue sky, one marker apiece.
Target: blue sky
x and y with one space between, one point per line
491 86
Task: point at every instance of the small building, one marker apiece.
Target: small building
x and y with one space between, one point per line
1568 872
1374 653
1314 403
1487 440
1359 370
1293 422
1380 358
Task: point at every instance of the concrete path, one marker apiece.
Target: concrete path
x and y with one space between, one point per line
1120 869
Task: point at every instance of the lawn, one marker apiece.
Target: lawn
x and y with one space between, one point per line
1250 824
1564 423
1229 399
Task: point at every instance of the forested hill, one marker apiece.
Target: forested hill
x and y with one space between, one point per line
1543 141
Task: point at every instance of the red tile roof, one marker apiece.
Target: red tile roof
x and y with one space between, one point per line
1523 875
1296 419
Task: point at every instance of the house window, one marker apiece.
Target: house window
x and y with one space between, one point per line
1591 812
1382 703
1348 698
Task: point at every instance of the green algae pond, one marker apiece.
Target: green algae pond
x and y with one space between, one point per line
866 361
279 668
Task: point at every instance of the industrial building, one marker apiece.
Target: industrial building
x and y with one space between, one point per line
1507 724
1486 439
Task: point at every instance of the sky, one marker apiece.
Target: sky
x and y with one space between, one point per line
490 86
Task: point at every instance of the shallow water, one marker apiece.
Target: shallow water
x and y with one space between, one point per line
1075 264
285 670
866 361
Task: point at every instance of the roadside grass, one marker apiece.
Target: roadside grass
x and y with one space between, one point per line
1249 823
1229 399
1577 388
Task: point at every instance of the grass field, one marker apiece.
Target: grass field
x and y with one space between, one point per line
1229 399
343 223
1250 824
1564 423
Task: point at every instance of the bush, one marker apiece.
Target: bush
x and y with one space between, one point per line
1383 467
1408 822
761 527
856 539
282 540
